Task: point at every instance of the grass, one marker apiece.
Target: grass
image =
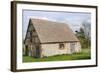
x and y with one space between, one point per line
85 54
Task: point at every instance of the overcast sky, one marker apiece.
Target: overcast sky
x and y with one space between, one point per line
73 19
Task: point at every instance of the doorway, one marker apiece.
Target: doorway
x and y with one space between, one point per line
72 47
37 52
26 50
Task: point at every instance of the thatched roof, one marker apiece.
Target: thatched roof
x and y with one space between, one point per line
49 31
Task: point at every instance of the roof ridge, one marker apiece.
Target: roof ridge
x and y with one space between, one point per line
48 20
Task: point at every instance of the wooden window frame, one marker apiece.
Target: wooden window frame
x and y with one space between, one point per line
61 46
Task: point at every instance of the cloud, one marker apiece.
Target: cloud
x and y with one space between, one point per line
41 17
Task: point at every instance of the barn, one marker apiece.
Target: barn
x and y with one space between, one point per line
48 38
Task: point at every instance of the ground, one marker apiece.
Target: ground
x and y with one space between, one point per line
85 54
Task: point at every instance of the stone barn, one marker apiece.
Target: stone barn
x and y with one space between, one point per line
48 38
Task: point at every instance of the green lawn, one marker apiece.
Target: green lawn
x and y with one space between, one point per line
85 54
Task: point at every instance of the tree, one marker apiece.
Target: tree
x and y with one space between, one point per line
85 42
86 26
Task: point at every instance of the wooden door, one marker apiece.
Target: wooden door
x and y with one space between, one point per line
72 47
26 50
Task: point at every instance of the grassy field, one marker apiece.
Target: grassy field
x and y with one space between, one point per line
85 54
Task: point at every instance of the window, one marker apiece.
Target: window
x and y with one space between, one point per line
61 46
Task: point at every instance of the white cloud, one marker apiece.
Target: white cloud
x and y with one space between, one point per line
44 18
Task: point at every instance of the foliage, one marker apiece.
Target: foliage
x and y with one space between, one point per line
85 42
86 25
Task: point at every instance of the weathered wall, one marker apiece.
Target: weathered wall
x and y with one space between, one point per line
53 49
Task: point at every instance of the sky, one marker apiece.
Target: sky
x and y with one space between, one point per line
73 19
